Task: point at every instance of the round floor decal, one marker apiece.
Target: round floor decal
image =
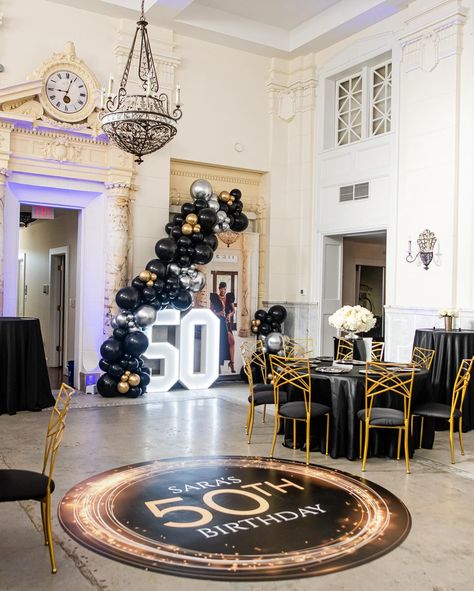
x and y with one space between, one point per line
234 518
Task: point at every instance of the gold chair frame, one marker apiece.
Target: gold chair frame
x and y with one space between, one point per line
381 379
345 349
377 350
459 393
422 358
294 371
298 347
54 436
253 353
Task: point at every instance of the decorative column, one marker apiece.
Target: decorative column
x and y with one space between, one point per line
3 185
117 245
261 212
244 315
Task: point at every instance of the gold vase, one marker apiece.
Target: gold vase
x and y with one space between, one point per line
448 323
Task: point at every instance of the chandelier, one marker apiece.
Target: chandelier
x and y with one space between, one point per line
228 237
140 123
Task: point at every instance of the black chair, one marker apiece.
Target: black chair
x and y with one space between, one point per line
23 485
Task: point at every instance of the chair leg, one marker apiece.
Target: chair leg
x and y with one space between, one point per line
264 413
248 420
275 432
412 419
360 439
308 424
327 433
43 520
294 433
50 534
461 445
422 424
366 446
451 439
399 444
407 451
252 416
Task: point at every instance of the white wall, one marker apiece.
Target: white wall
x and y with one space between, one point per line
36 240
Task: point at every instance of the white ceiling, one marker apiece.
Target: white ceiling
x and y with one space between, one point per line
283 28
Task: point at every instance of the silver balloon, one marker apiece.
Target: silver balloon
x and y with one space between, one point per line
214 204
121 319
131 324
217 229
174 268
130 317
227 219
198 282
221 216
274 342
225 226
113 323
185 281
201 189
145 315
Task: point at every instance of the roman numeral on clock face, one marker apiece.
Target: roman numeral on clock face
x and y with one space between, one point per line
66 92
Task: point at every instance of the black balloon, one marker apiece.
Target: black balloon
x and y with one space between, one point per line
133 364
149 294
169 226
178 220
166 249
277 313
106 386
200 204
260 315
236 194
127 298
184 260
135 343
116 371
134 392
187 208
184 242
159 285
276 327
207 218
198 237
183 301
120 333
157 267
137 283
176 233
239 223
111 350
211 241
144 379
265 329
104 365
203 254
172 282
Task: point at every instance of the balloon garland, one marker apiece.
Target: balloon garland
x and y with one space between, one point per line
265 323
168 281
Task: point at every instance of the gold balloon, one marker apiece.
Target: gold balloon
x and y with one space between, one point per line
186 229
154 276
134 379
145 276
150 283
124 378
224 196
258 322
254 329
197 228
123 387
192 219
128 372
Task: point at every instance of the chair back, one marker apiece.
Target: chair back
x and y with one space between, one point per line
298 347
376 353
55 432
345 349
384 379
460 384
247 349
291 371
422 358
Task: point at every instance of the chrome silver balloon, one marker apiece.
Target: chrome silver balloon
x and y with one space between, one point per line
201 189
221 216
274 342
113 323
214 204
130 317
217 229
225 226
198 282
185 281
121 319
145 315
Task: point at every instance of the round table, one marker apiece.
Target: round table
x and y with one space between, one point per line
345 394
451 346
24 380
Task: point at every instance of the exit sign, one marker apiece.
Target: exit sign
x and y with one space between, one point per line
40 212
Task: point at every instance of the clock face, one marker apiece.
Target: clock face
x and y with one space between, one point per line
66 91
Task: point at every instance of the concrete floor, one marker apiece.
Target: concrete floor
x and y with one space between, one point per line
102 434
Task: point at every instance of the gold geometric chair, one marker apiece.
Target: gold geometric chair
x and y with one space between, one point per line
298 347
382 381
449 412
261 394
376 353
295 372
23 485
345 349
422 358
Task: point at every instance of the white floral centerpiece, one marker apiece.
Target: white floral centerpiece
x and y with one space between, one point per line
448 314
353 319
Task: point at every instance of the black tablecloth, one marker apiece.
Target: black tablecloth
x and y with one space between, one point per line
451 346
24 381
344 393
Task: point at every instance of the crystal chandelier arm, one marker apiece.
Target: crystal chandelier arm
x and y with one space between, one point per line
147 70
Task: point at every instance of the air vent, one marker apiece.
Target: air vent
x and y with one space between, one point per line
351 192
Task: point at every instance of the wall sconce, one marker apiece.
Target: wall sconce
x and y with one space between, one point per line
426 242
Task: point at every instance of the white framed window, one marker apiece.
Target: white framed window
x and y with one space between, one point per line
363 104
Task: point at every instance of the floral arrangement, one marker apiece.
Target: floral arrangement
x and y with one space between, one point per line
353 319
451 312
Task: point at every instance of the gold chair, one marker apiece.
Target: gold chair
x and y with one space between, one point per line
345 349
422 358
23 485
261 394
449 412
295 372
383 379
376 353
298 347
